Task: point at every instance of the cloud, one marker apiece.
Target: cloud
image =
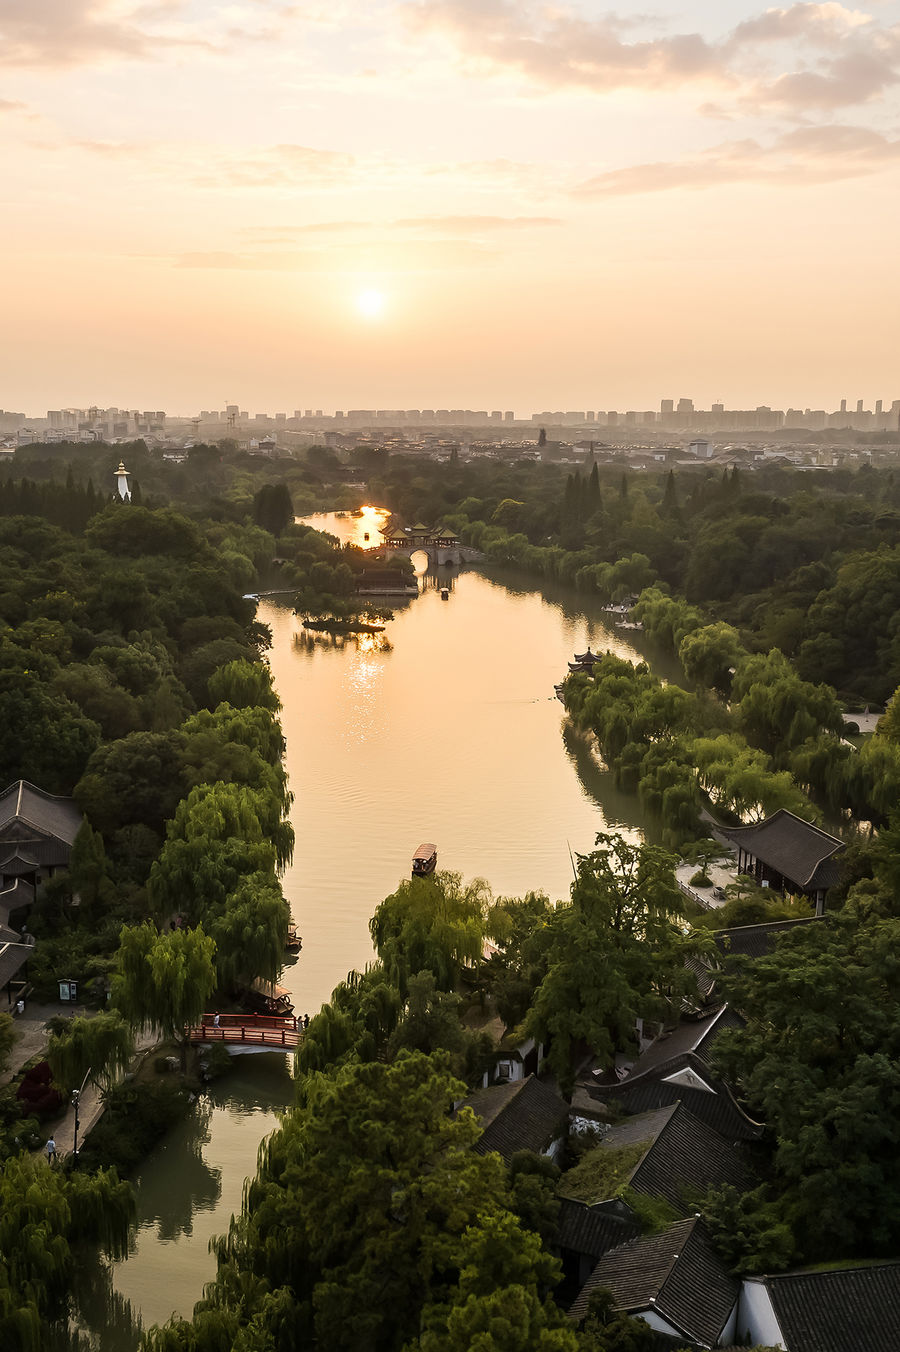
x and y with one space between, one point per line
557 48
854 78
801 55
376 255
805 156
465 225
75 32
278 166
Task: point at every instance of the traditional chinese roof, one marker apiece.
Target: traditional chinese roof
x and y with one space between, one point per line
18 893
694 1037
591 1230
796 849
27 812
524 1115
13 957
682 1158
676 1273
757 941
848 1310
714 1104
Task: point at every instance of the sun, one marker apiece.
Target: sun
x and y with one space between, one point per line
370 303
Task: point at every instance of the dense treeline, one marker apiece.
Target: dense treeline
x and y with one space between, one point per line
132 676
426 1244
807 564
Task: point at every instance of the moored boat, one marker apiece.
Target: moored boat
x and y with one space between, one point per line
424 861
293 943
267 998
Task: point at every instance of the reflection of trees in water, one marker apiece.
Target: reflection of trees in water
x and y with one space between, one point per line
619 809
312 640
168 1204
101 1317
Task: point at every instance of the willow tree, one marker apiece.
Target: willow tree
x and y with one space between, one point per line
100 1047
164 980
435 925
43 1214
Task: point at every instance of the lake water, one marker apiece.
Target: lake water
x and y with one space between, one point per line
444 728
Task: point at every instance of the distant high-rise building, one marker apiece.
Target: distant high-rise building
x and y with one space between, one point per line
859 406
685 406
509 416
666 406
878 405
717 408
843 405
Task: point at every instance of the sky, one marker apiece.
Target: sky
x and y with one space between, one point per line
489 204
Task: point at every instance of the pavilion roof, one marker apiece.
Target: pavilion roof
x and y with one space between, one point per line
798 850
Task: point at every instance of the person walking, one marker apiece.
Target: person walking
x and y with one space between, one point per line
216 1020
50 1148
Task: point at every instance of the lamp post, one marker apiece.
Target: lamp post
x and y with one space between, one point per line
76 1099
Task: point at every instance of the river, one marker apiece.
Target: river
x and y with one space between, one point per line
444 728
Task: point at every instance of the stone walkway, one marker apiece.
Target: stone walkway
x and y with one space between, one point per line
31 1040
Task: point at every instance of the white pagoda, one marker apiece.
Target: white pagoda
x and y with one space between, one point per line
122 477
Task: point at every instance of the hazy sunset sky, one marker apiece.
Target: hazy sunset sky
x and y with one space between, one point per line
435 203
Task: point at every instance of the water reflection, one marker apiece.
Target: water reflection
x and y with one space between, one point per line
168 1212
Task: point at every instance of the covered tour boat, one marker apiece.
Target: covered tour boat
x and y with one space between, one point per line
424 861
293 943
267 998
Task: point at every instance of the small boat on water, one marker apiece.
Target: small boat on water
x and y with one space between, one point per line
424 861
366 535
293 943
265 997
445 594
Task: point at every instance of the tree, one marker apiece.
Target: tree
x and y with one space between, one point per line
818 1061
45 1214
89 869
431 924
418 1225
7 1039
273 508
244 685
616 953
709 655
164 980
101 1046
606 1329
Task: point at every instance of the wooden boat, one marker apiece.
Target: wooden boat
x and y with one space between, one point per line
293 943
424 861
268 998
445 594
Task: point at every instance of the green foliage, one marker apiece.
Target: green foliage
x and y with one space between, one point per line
136 1115
602 1173
817 1061
709 656
100 1046
7 1039
749 1229
605 1329
434 924
164 980
409 1251
273 508
244 685
44 1215
615 953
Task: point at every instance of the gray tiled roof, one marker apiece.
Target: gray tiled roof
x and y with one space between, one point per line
691 1035
676 1273
717 1110
45 812
683 1156
793 847
757 941
849 1310
12 959
527 1115
590 1230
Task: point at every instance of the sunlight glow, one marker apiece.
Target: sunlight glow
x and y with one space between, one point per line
370 304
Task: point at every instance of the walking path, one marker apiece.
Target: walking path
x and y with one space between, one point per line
31 1040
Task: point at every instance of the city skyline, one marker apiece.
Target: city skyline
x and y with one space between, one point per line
474 198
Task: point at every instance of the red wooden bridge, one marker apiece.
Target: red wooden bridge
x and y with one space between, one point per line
249 1032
